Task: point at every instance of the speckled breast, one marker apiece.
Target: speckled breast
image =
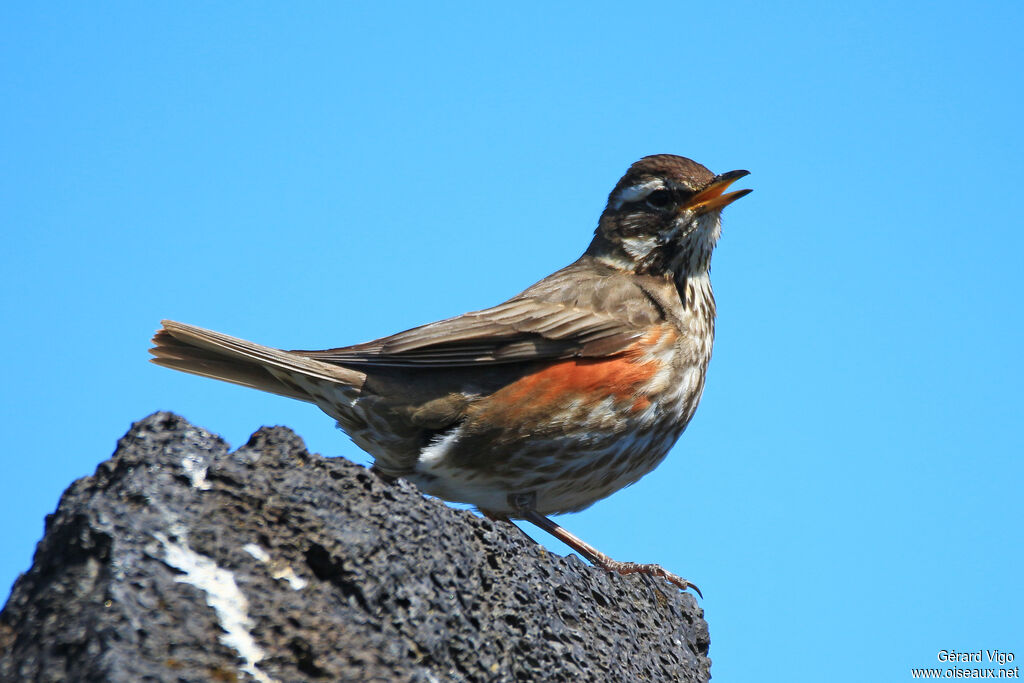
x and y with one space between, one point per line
571 432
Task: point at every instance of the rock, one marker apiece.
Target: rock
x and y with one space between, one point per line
179 560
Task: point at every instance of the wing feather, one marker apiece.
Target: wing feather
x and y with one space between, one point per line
564 316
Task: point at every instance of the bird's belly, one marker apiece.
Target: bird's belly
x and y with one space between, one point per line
561 450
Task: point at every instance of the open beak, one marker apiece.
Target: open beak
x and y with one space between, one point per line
711 197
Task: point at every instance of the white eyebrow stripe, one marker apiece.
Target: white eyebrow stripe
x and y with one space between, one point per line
637 192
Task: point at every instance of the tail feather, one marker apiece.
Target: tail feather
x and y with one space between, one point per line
211 354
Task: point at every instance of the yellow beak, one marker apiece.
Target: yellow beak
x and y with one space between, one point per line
711 197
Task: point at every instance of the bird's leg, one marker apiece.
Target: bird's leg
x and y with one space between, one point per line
503 517
600 559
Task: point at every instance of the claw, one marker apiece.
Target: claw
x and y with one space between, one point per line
695 589
650 570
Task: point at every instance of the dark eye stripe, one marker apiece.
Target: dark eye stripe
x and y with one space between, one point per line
659 199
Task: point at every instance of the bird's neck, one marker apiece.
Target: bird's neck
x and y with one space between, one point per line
697 297
687 269
645 256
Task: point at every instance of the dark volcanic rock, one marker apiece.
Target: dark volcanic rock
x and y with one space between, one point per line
181 561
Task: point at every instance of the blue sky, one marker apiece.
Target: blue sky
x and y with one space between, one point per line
848 495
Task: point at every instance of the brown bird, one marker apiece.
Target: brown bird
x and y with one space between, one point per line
540 405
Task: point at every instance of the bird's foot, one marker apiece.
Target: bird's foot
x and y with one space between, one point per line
656 570
600 559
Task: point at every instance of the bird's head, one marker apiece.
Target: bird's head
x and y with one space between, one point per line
664 216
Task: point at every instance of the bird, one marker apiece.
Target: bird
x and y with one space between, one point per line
543 404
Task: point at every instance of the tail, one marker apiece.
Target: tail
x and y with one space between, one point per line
211 354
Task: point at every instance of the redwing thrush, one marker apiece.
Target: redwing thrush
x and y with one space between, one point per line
546 403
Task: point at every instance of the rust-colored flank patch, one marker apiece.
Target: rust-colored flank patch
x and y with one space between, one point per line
592 380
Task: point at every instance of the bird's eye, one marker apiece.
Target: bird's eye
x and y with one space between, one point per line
659 199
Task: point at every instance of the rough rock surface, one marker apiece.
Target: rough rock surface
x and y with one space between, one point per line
181 561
